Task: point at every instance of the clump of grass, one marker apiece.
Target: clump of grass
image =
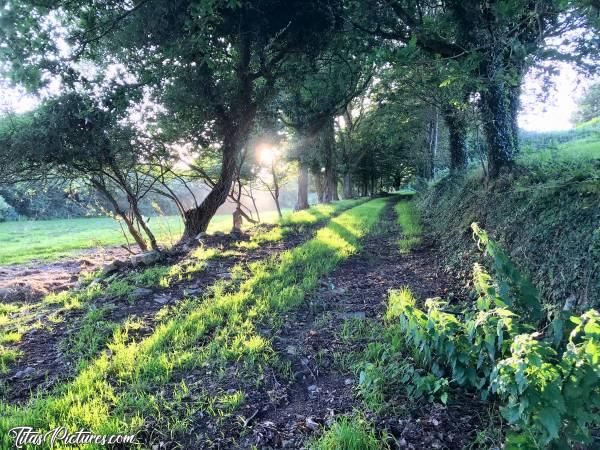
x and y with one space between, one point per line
73 299
7 356
12 337
349 434
91 337
410 226
8 308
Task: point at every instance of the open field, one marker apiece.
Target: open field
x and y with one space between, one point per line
24 241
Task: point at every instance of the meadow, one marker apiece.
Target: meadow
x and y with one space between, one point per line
24 241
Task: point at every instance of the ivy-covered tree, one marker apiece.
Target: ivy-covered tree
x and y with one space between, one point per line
494 41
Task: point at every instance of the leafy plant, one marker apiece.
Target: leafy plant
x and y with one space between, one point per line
551 395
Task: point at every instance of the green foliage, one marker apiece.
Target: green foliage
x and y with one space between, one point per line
553 398
588 107
511 289
545 219
550 397
348 434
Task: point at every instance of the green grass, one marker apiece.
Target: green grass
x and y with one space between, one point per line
348 434
587 149
24 241
410 226
115 392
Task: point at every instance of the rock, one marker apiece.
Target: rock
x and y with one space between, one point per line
161 299
348 381
313 388
140 293
311 424
24 372
146 258
112 267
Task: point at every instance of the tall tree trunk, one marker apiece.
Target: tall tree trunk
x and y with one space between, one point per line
347 185
238 126
498 122
328 143
457 129
302 202
319 184
336 194
433 141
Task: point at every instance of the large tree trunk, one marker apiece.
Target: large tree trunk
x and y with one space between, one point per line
457 129
196 220
336 194
433 141
347 185
302 202
328 143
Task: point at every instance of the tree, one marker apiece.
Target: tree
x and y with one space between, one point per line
588 106
316 91
210 65
495 43
72 138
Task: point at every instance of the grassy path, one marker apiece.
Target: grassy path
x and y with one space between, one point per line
329 345
117 391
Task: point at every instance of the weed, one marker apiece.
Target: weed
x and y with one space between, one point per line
348 434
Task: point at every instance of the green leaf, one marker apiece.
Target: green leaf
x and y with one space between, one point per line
550 419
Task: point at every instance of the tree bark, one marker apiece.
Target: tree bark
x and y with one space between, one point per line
347 185
336 194
433 141
237 128
328 142
196 220
457 129
319 185
302 202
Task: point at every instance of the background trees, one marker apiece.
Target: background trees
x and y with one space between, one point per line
184 92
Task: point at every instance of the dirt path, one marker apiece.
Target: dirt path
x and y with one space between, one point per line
33 280
289 412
